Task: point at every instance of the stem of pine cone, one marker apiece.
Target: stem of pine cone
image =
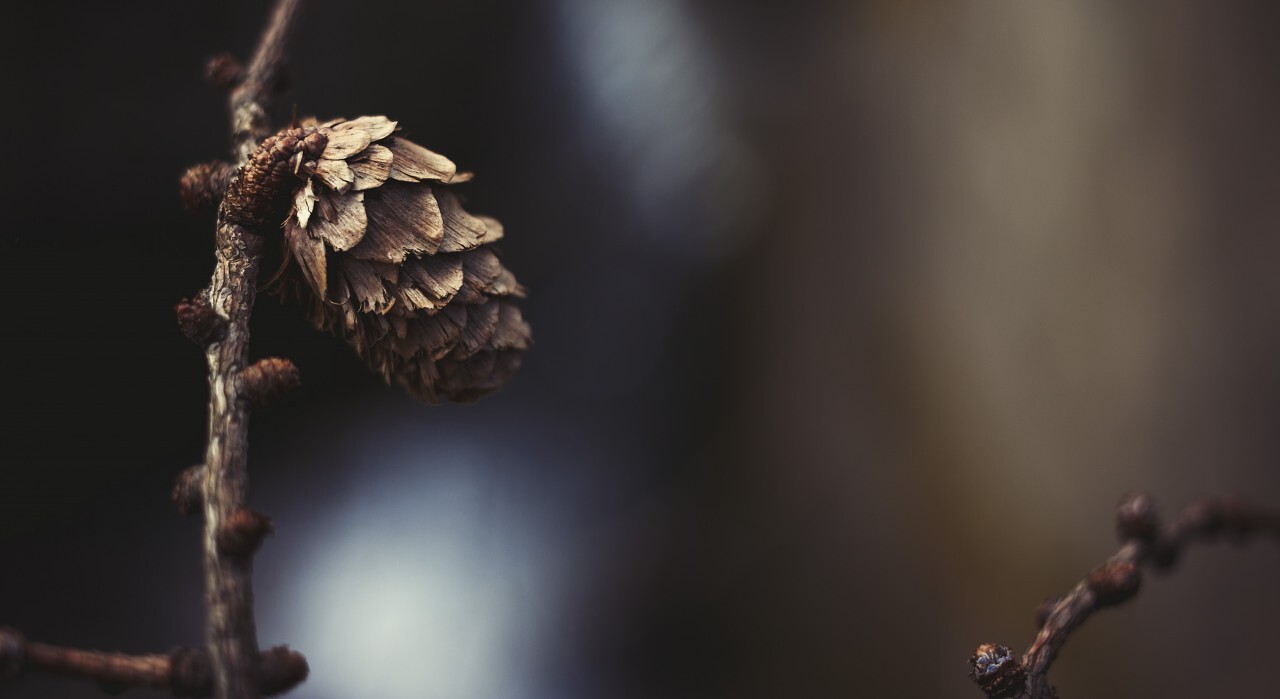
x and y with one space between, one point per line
232 637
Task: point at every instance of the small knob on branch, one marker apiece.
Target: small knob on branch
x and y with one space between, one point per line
1136 518
187 496
223 71
243 532
1114 582
281 669
190 673
266 380
199 322
203 185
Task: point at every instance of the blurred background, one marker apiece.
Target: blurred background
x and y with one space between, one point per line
853 322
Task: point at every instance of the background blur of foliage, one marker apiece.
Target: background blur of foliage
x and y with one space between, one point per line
853 322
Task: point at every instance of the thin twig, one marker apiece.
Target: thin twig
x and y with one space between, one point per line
1144 543
232 637
186 672
232 667
250 99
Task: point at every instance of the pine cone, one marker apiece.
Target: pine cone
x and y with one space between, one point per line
395 265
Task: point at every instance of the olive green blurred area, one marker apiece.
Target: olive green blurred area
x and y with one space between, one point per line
853 321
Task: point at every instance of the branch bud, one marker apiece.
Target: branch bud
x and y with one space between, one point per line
187 496
266 380
190 673
203 184
223 71
281 669
243 532
199 322
1136 518
1114 582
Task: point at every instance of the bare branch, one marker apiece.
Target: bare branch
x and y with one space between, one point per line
249 100
185 672
233 642
1144 543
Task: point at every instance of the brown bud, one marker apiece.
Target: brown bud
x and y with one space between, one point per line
243 532
199 322
203 185
281 669
1114 582
190 672
186 494
997 671
266 380
223 71
1136 518
11 653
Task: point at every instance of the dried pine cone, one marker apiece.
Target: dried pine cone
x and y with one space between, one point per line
396 266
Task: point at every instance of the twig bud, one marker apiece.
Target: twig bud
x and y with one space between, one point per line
1114 582
223 71
186 495
1136 518
997 671
281 669
199 322
203 185
243 532
266 380
190 673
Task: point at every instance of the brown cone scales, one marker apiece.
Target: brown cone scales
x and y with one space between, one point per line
396 266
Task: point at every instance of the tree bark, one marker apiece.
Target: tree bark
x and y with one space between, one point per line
232 636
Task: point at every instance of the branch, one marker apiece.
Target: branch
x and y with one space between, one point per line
186 672
249 99
232 637
1144 542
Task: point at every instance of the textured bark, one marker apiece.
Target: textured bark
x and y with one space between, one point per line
233 640
249 100
232 637
185 672
106 668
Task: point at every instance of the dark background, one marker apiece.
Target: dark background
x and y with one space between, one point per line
853 321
